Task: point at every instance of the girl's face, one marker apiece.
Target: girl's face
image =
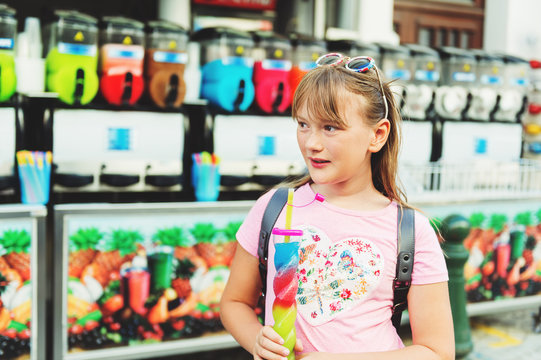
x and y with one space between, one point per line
339 155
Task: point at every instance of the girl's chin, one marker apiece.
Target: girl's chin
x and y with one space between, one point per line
320 180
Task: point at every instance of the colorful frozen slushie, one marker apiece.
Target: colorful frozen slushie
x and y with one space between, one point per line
284 309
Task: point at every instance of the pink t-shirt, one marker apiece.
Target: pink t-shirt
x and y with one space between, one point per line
346 268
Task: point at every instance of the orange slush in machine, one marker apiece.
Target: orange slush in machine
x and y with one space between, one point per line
306 50
165 62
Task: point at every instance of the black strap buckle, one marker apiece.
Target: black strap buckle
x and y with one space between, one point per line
401 306
401 285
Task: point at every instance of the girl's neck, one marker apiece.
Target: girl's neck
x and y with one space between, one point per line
360 197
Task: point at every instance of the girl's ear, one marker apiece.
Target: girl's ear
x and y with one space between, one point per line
379 135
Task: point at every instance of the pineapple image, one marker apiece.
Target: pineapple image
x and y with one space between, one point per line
121 247
215 246
17 245
82 249
183 272
182 241
5 316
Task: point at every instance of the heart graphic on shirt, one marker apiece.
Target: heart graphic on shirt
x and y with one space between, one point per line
334 276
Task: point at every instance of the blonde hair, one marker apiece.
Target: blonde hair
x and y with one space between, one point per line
320 93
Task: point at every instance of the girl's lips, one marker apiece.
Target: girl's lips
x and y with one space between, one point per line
318 163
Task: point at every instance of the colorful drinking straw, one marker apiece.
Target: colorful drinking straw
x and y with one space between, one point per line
289 211
286 260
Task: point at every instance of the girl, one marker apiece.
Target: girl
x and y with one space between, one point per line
348 133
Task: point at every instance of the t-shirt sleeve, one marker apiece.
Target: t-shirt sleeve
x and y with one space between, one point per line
248 234
429 262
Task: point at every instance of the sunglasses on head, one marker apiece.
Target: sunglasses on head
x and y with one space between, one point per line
359 64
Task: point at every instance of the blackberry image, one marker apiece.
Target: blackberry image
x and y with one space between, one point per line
13 348
93 339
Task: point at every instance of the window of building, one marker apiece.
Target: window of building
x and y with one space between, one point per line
440 23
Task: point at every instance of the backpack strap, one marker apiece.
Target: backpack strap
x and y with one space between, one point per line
404 263
272 211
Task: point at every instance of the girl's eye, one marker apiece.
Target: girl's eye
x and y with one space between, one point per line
329 128
302 124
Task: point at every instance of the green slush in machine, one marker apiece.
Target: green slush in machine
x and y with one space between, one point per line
72 57
8 29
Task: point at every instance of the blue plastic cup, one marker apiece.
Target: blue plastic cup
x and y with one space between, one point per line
206 181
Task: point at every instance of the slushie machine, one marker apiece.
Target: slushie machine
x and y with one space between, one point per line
272 67
8 84
226 68
395 60
7 149
8 30
469 92
420 90
513 95
117 151
487 86
121 57
306 50
71 44
165 62
458 75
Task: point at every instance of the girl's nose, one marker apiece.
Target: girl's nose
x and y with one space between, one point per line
313 141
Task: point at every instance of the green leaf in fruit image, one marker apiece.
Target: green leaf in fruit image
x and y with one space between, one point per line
83 248
16 244
231 230
498 222
204 232
475 235
125 241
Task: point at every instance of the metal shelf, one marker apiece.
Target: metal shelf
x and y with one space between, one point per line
167 348
496 306
504 305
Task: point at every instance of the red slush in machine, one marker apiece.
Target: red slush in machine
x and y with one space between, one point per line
306 50
271 72
165 61
121 60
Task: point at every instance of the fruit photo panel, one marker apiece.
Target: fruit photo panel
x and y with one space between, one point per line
137 279
15 287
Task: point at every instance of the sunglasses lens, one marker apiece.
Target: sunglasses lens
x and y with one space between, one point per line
360 64
329 59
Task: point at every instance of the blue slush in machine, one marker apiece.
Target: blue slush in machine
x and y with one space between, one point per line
226 68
